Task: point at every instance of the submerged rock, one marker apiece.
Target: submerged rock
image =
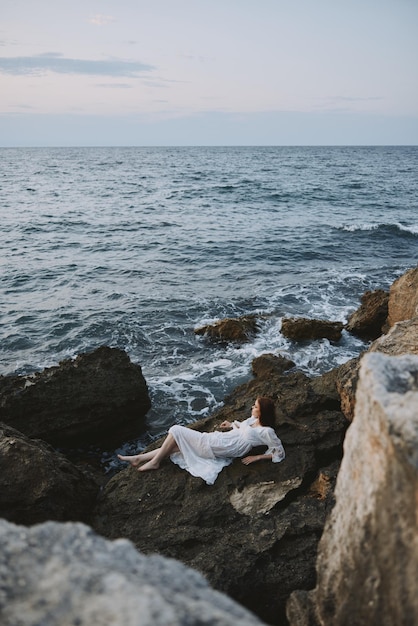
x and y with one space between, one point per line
367 564
39 484
65 574
96 398
238 329
302 329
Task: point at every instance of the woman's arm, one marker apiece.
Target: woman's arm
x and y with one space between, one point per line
247 460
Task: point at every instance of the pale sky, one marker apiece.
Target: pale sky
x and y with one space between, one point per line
208 72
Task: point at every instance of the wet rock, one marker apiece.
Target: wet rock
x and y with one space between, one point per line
238 329
38 484
302 329
367 564
367 322
403 297
65 574
98 397
271 365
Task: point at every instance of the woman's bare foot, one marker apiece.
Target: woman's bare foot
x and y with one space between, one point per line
134 460
151 465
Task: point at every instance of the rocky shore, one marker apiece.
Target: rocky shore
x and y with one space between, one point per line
257 535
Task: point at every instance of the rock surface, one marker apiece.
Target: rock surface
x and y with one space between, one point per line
238 329
270 365
39 484
368 556
403 297
99 397
367 322
65 574
302 329
254 533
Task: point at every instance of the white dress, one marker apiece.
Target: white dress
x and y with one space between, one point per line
206 454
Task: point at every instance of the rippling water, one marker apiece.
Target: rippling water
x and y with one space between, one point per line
136 247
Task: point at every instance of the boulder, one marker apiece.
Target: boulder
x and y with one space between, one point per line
367 564
367 322
38 484
238 329
403 297
402 338
65 574
254 533
99 397
271 365
302 329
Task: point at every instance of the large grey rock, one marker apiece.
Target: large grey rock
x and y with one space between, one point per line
64 574
39 484
367 568
99 397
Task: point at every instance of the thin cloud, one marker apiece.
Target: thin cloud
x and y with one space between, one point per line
101 20
58 64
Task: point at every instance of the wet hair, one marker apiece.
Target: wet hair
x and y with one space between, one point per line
267 412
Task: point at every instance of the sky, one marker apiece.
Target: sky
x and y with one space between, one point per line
208 72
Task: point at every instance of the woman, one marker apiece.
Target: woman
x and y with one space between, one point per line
205 454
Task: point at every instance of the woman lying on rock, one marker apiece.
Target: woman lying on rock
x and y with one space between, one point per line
205 454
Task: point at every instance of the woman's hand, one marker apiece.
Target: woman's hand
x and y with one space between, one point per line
247 460
225 424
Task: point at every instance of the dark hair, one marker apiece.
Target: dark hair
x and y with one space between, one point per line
267 412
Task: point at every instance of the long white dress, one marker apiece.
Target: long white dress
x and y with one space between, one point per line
206 454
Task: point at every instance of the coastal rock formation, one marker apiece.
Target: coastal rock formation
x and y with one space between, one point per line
403 297
347 378
65 574
254 533
367 565
38 484
98 397
238 329
302 329
402 338
367 322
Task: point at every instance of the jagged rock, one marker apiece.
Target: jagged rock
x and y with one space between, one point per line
367 564
38 484
347 377
271 365
238 329
368 320
403 297
98 397
402 338
65 574
302 329
243 531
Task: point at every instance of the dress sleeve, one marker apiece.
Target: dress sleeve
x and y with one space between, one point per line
273 443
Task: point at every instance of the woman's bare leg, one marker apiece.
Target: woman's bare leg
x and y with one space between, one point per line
137 459
169 446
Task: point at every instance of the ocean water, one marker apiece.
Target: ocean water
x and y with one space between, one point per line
136 247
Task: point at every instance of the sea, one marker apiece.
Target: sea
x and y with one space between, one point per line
136 247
